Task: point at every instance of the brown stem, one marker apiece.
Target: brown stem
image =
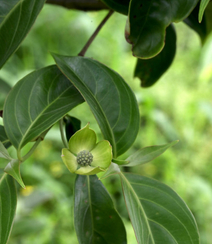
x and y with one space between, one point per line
83 51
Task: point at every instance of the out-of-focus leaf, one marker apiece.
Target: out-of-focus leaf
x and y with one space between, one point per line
112 170
3 137
13 169
16 19
8 201
54 96
203 5
95 218
157 213
150 70
72 125
147 154
110 99
3 152
192 21
120 6
148 21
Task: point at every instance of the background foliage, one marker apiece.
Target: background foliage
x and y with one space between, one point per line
179 106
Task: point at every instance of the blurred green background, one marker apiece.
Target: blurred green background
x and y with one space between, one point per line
179 106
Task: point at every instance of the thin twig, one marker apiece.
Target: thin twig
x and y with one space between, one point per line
83 51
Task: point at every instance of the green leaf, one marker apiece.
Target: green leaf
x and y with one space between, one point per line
120 6
157 213
8 201
4 90
3 152
150 70
53 96
95 218
13 169
147 154
3 137
72 125
16 19
193 23
148 21
203 5
111 100
112 170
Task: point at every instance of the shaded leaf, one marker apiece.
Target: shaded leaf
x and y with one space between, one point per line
16 19
54 96
112 170
4 90
157 213
192 22
203 5
95 218
72 125
13 169
111 100
3 137
8 201
3 152
150 70
147 154
148 21
120 6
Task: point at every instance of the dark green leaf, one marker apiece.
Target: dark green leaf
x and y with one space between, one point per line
157 213
150 70
120 6
13 169
95 218
16 19
148 21
203 5
4 90
192 21
111 100
3 152
8 201
147 154
72 125
37 102
3 137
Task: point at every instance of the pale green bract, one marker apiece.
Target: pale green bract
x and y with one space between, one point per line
84 156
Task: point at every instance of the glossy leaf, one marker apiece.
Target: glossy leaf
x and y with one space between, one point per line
95 218
111 100
203 5
192 22
13 169
3 137
148 21
3 152
72 125
8 201
120 6
54 96
16 19
147 154
157 213
150 70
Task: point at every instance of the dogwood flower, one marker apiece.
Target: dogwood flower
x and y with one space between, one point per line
84 156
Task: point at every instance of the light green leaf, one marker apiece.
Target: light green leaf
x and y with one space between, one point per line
112 170
54 96
111 100
95 217
13 169
8 201
147 154
3 137
3 152
157 213
203 5
120 162
16 19
120 6
148 21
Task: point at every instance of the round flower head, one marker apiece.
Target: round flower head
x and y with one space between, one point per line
84 156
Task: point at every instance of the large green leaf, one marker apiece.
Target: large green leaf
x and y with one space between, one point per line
36 102
192 22
203 5
3 137
120 6
150 70
148 21
157 213
95 218
8 201
111 100
4 90
16 19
